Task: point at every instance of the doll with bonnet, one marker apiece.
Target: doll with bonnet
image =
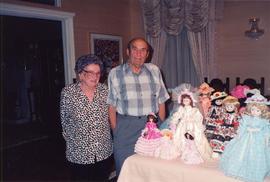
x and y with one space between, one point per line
187 121
190 153
247 155
205 101
226 130
166 149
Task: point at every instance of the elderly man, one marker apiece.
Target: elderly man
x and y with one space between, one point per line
136 89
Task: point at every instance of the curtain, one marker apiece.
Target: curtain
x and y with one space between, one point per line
181 67
167 24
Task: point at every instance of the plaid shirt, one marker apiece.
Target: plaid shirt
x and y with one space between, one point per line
136 94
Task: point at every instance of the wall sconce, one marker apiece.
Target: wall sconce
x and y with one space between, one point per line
254 31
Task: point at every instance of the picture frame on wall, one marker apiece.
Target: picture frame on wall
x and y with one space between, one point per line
108 48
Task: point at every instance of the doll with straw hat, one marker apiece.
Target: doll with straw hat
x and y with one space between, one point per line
213 117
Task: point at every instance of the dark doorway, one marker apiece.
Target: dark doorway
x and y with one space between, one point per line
32 67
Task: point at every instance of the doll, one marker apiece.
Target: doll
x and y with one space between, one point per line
205 101
239 91
174 97
248 93
247 155
213 117
226 130
188 119
190 154
166 149
151 131
150 137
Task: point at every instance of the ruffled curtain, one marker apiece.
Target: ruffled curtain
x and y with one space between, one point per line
169 17
173 15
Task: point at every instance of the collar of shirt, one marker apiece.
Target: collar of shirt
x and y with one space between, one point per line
127 69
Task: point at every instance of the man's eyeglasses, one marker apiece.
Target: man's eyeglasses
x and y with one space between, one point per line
91 73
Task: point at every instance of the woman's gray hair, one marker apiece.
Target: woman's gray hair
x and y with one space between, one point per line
85 60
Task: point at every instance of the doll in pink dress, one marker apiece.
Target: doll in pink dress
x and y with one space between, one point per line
150 137
151 131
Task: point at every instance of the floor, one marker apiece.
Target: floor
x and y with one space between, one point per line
30 152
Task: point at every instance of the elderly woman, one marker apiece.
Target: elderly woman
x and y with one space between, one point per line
84 119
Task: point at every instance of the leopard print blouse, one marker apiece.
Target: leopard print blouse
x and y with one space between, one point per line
85 124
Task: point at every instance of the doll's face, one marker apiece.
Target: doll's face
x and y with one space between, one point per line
186 101
218 102
229 107
255 111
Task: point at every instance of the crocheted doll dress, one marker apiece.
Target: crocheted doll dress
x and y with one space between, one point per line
149 140
166 149
190 154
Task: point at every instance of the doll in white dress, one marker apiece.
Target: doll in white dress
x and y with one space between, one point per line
188 119
190 154
166 149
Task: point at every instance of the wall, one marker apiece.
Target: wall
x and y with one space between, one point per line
136 19
117 17
237 55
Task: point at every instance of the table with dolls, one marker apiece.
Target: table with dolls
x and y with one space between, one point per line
180 150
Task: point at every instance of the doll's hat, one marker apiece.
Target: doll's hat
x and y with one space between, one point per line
218 95
153 114
167 133
230 99
205 89
187 92
252 91
258 99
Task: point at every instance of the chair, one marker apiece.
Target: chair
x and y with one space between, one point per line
218 84
252 83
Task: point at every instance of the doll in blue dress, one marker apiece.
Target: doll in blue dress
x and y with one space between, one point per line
247 156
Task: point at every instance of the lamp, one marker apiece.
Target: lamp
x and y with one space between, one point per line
254 31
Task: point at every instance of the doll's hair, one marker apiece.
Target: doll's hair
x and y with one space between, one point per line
186 96
231 101
151 116
189 136
264 109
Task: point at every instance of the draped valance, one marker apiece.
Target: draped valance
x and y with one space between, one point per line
172 15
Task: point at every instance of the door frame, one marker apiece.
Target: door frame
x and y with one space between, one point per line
66 19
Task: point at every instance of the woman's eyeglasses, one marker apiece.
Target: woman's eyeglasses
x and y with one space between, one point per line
91 73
